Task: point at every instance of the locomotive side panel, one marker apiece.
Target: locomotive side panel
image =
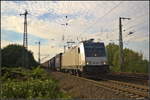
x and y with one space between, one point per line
73 58
68 59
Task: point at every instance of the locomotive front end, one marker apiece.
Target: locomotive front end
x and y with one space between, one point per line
95 58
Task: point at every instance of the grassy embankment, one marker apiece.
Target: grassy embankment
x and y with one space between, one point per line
28 84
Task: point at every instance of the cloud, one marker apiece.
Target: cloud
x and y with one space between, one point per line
85 20
4 43
49 51
12 23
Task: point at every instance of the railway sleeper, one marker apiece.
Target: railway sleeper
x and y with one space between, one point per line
141 98
115 88
134 96
134 92
132 87
143 88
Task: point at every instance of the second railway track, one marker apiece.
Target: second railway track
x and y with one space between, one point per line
142 79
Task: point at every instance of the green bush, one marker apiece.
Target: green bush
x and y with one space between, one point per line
31 89
39 73
13 56
15 74
28 84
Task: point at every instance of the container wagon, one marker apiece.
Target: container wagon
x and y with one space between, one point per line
58 62
52 63
46 64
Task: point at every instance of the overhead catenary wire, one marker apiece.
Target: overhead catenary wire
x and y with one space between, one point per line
89 27
135 25
134 37
104 15
124 25
136 18
128 28
132 26
133 32
110 10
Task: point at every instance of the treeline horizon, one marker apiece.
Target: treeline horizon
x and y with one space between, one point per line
133 61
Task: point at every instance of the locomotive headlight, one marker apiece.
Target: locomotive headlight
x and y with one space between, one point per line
104 62
87 62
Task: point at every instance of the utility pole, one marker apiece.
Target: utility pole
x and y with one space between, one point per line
25 41
121 43
39 54
63 37
0 67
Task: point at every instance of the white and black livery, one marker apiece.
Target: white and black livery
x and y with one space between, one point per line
87 57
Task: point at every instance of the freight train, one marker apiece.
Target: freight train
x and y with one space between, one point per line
87 57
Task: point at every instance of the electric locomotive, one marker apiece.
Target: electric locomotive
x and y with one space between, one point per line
88 57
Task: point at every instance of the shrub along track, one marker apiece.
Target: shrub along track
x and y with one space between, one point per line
79 87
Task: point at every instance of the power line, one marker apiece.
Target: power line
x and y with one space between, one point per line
136 18
110 10
108 25
104 15
133 26
112 22
134 36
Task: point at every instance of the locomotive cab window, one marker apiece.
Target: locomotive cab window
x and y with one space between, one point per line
95 50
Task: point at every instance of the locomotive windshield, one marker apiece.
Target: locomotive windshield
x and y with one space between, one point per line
94 49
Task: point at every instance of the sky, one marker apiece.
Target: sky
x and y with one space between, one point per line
86 19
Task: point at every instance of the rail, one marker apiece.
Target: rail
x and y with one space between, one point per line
131 90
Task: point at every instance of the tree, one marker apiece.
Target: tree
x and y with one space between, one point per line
111 50
12 56
133 61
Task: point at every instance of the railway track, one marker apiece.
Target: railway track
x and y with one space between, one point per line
134 91
131 78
